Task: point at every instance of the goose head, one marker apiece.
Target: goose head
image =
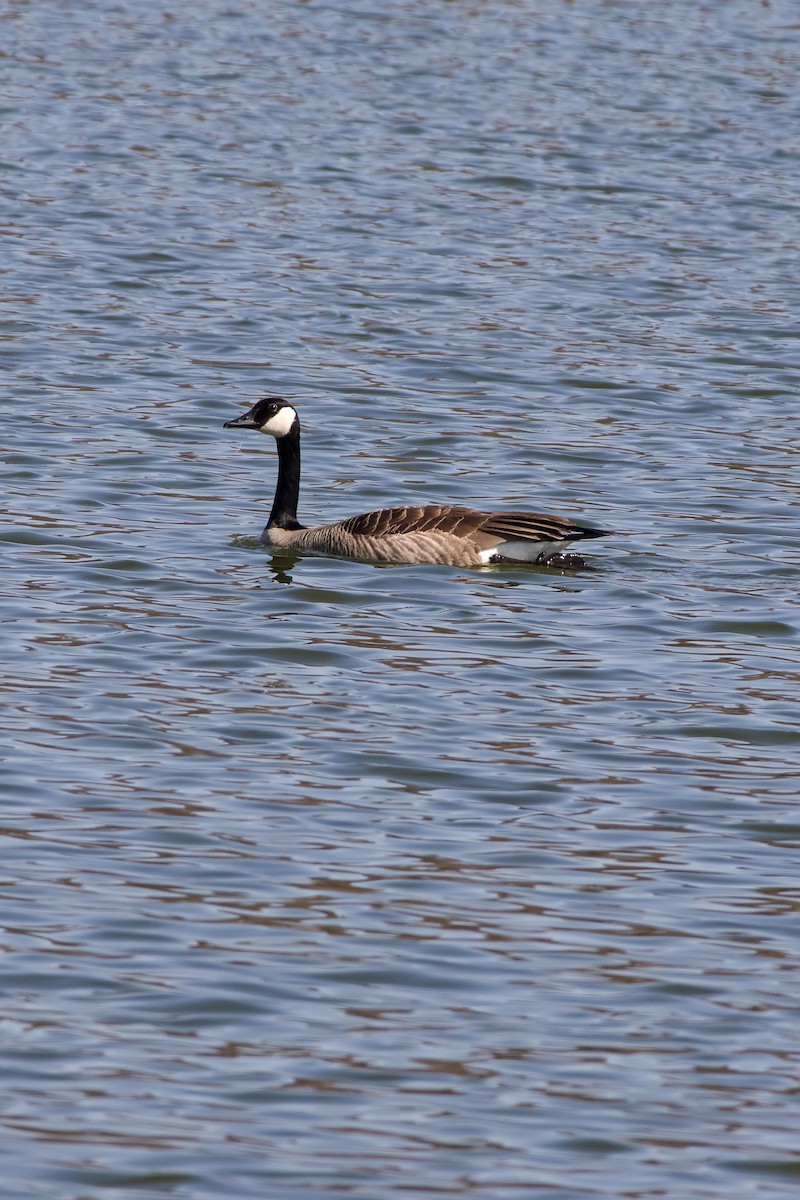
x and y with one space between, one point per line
272 415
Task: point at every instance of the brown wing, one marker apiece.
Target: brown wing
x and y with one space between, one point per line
536 527
443 518
484 530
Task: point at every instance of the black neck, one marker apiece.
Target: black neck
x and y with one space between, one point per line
287 489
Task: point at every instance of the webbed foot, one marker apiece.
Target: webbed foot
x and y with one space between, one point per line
569 561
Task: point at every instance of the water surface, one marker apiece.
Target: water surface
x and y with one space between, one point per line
321 878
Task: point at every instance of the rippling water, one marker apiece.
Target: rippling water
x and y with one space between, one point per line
320 878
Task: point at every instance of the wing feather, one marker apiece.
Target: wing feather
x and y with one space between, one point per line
467 523
423 518
537 527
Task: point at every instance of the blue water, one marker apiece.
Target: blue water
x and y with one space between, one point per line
320 878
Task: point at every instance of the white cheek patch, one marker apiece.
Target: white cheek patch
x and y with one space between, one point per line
281 423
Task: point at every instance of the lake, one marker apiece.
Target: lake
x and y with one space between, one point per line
321 878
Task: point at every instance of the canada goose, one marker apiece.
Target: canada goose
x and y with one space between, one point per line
425 533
